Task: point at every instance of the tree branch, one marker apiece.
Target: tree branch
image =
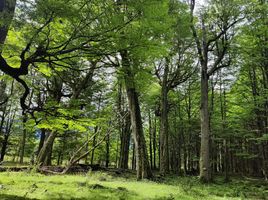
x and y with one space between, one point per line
226 28
197 41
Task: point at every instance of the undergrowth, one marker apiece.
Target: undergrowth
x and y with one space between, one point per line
100 185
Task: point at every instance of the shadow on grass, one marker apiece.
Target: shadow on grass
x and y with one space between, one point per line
11 197
97 192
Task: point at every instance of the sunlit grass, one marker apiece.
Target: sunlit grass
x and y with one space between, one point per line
28 185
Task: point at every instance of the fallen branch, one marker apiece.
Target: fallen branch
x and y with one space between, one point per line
73 160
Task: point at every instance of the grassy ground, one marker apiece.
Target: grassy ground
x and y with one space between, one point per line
100 185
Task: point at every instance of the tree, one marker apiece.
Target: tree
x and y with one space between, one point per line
44 44
131 60
212 43
172 71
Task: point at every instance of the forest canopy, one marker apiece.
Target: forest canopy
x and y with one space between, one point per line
157 86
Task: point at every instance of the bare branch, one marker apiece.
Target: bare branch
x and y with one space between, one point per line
224 31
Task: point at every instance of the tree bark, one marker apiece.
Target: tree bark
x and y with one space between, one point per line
260 121
93 145
142 162
225 140
1 131
205 174
154 143
23 141
49 151
42 140
124 145
150 140
164 150
205 45
4 147
8 125
133 163
107 156
40 161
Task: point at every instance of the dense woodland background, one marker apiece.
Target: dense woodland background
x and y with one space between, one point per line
157 86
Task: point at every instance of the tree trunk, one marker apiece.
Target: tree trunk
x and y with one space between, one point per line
4 144
107 156
142 162
226 161
93 146
205 172
124 145
42 140
40 161
223 118
87 147
8 126
154 143
96 129
260 121
4 147
150 140
164 150
48 159
117 152
177 144
213 144
133 163
23 141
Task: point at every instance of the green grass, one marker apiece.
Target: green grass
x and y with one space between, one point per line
27 185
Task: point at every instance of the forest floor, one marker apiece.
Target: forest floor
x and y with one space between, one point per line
109 186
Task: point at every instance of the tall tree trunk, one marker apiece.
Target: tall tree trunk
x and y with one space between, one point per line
213 144
164 150
107 156
124 145
225 140
177 143
190 147
142 162
117 152
154 143
202 49
183 139
96 129
8 126
205 172
1 129
260 121
133 163
150 140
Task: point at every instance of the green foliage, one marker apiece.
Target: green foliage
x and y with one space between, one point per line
75 67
